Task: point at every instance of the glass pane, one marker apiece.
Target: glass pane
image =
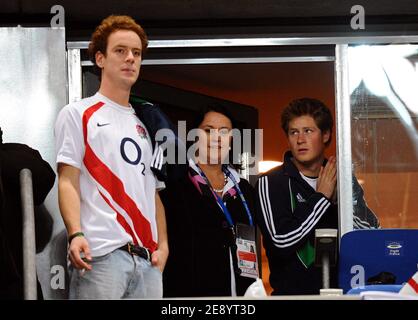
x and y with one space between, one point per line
384 110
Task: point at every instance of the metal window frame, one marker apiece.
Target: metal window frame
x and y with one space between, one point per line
342 94
343 128
265 41
74 66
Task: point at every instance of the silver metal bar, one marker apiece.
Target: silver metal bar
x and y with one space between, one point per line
74 75
236 60
28 234
266 41
87 63
263 42
227 60
325 271
343 117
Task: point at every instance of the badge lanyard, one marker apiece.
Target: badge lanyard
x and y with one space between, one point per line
219 200
241 195
247 268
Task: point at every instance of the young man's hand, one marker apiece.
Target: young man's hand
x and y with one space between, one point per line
159 258
78 245
327 178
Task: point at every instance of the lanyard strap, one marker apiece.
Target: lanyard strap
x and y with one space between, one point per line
220 201
241 195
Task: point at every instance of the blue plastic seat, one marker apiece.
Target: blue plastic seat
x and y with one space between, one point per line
376 287
366 253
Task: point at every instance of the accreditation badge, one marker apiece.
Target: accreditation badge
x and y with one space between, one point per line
246 251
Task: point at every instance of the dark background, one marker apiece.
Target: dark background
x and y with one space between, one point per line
165 18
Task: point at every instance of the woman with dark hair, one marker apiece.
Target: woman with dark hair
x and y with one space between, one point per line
209 217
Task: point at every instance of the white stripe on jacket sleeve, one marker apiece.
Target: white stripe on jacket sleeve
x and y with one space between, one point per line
292 237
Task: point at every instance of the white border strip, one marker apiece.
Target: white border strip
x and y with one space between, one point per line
265 42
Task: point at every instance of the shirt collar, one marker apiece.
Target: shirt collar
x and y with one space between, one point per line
229 185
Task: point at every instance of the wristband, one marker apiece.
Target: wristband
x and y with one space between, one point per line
77 234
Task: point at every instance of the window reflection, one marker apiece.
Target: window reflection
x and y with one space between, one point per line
384 105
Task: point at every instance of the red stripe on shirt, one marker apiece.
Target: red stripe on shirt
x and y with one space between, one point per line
122 221
413 284
114 186
87 115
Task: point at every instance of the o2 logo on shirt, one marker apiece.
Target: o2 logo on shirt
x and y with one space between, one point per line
128 145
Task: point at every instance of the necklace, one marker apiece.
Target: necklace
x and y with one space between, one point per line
225 182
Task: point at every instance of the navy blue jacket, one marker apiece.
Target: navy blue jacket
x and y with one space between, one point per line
285 230
155 119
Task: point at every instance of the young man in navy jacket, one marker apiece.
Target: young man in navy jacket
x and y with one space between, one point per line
300 196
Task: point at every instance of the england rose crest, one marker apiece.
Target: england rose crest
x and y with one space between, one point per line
141 131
